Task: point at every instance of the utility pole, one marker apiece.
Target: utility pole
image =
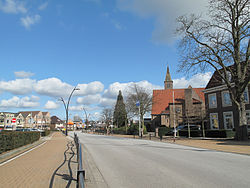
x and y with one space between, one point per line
139 106
174 118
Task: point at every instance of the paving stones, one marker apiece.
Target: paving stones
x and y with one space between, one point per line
51 165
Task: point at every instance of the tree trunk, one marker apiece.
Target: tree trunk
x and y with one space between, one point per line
241 133
142 125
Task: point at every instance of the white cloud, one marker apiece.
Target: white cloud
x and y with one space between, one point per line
53 87
18 86
198 80
114 88
89 99
107 102
43 6
30 20
16 102
90 88
12 7
164 12
51 105
23 74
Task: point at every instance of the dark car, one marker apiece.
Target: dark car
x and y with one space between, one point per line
191 126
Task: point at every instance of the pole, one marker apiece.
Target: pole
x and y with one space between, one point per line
67 108
140 134
174 117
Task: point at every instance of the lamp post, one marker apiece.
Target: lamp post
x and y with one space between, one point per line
66 106
86 116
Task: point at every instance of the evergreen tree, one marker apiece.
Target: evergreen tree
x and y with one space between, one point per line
120 114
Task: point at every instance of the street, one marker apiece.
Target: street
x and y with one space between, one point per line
137 163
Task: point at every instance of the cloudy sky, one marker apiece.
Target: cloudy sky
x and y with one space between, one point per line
48 47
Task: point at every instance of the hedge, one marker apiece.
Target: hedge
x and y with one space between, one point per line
131 130
165 131
193 133
208 133
219 133
45 133
12 140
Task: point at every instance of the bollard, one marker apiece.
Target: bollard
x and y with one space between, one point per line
149 136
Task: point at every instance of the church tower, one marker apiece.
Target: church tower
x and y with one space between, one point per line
168 83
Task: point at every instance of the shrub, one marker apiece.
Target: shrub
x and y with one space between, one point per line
120 130
45 133
165 131
193 133
133 129
219 133
12 140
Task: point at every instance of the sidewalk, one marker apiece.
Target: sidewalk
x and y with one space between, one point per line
52 164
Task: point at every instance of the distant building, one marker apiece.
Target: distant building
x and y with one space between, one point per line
6 120
177 106
37 119
24 119
56 123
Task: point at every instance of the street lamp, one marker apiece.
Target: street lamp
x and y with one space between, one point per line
67 108
86 116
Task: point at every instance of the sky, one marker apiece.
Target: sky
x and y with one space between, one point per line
101 46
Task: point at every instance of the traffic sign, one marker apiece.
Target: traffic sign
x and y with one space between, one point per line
13 120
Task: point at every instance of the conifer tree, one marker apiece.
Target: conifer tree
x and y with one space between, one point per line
120 114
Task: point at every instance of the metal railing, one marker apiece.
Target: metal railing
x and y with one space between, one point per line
80 171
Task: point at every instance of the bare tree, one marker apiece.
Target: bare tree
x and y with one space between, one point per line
107 116
221 42
144 97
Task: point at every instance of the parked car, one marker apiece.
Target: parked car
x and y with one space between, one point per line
191 126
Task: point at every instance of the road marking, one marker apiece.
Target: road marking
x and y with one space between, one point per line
21 154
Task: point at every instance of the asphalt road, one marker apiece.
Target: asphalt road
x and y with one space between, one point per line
134 163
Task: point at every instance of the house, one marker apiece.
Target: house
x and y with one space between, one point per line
19 120
46 120
27 119
6 120
36 119
56 123
171 107
221 112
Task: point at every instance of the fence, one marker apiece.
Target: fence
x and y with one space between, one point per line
80 171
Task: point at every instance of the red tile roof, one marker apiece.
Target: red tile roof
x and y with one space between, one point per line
162 98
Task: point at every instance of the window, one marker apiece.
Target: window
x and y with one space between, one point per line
228 120
245 94
226 100
214 121
248 116
212 100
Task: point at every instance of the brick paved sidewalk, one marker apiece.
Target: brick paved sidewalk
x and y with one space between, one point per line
52 164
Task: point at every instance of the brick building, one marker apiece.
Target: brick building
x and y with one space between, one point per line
221 112
177 106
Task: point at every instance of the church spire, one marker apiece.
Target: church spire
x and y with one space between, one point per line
168 83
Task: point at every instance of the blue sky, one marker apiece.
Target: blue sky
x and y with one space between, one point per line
48 47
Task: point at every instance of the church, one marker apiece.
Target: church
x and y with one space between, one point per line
172 107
